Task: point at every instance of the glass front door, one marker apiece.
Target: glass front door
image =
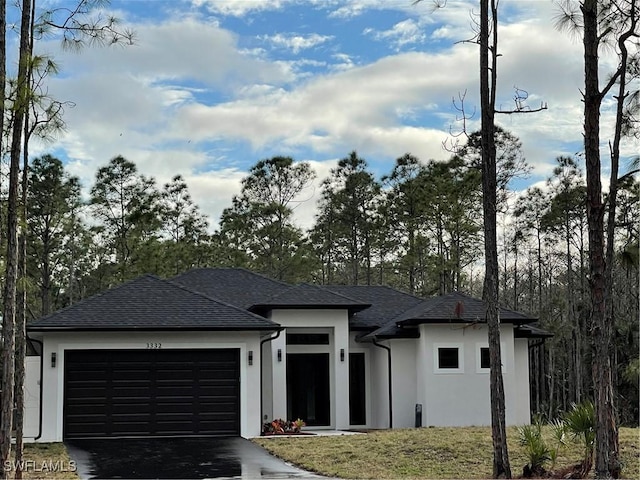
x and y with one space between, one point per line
308 388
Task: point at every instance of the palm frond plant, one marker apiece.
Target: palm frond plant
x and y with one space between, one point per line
536 448
559 434
580 422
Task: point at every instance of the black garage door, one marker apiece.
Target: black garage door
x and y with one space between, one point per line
120 393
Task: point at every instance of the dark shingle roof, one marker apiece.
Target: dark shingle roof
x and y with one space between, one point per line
455 307
309 296
386 303
531 331
452 308
235 286
149 303
392 330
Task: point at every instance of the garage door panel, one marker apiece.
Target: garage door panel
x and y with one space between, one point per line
138 392
88 393
175 407
131 407
132 375
86 429
218 390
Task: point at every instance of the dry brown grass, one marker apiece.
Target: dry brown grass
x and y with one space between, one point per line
46 460
424 453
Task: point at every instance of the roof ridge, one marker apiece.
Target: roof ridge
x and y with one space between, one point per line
241 269
431 303
500 305
386 287
216 300
306 284
98 294
346 297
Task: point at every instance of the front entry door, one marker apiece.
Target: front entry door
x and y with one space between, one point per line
308 391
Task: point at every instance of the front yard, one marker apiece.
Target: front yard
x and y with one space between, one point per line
386 454
424 453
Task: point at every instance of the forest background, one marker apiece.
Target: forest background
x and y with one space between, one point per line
418 229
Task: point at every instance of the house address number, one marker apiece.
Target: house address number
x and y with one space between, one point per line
154 345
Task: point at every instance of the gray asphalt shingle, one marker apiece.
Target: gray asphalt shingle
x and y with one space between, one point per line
224 299
151 303
310 296
386 303
235 286
455 307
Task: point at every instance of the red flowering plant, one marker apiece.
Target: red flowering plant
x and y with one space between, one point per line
283 427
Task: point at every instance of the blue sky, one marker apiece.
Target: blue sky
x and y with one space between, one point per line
212 86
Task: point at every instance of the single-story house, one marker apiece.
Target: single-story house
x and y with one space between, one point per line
221 351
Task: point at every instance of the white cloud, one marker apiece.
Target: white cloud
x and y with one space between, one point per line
179 100
295 42
239 8
401 34
187 49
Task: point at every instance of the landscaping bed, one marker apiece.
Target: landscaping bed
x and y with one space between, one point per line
425 453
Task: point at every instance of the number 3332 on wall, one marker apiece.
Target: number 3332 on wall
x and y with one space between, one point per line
154 345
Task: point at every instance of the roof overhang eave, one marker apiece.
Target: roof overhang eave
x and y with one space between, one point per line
422 321
266 307
187 328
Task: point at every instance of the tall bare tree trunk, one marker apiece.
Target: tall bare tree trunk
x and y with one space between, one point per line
6 403
12 260
610 464
21 324
607 464
488 77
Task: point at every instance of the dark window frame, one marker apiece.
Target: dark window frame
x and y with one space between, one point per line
308 339
485 358
446 357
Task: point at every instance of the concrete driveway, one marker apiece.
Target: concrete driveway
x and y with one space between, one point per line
231 457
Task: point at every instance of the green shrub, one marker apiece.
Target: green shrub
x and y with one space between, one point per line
536 448
580 422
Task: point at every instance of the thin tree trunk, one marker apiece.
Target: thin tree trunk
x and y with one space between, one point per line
12 262
6 403
606 442
488 77
21 327
614 466
552 383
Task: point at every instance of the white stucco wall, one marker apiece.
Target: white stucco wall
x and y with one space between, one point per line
403 366
31 398
461 398
267 381
53 377
336 323
379 387
523 399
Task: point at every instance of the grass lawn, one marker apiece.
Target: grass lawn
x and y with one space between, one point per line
46 460
424 453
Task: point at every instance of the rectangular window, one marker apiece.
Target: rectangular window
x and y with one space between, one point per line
484 357
357 389
307 339
448 358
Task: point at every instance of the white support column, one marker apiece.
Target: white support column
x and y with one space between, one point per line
279 386
341 342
